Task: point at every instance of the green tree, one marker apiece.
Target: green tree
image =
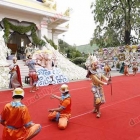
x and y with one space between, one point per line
118 22
63 46
71 51
74 55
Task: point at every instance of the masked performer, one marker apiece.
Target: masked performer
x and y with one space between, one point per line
16 119
97 87
32 72
63 112
15 78
134 66
107 70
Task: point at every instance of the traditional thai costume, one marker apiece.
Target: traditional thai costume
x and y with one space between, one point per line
97 87
32 71
62 116
107 70
126 68
134 67
28 51
16 120
15 77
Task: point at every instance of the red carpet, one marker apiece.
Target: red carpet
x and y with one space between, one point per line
120 118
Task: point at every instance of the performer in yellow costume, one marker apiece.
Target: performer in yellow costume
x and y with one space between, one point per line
97 86
16 119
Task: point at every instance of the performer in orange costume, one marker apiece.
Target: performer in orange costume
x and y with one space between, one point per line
107 70
126 68
97 87
63 112
16 119
134 66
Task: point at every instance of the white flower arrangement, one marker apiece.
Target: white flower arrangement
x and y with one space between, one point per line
4 77
9 51
4 71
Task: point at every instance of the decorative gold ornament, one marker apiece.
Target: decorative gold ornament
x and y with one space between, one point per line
127 48
121 57
43 1
100 51
49 3
134 48
54 7
67 12
18 91
67 26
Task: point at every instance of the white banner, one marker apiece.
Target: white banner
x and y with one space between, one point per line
47 77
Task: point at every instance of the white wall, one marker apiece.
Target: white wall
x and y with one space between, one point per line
54 38
19 15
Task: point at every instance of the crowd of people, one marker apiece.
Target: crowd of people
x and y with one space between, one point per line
124 69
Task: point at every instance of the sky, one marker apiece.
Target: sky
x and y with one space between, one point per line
81 24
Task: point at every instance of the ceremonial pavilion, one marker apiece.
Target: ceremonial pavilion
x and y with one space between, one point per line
26 21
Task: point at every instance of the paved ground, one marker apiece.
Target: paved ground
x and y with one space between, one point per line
115 73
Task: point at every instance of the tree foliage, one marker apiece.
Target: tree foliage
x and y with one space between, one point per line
71 51
118 22
72 54
79 60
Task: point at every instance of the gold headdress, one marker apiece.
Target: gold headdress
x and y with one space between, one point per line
18 91
64 88
94 59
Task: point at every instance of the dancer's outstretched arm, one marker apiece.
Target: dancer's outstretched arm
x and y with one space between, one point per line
57 97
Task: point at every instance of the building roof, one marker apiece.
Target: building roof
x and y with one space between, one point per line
87 48
32 4
36 12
